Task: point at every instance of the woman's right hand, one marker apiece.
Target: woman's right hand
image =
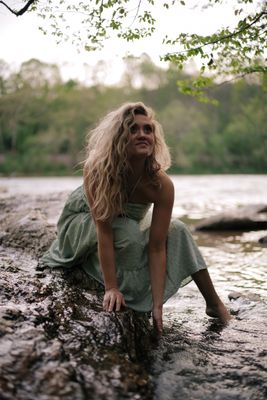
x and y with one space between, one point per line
113 300
157 319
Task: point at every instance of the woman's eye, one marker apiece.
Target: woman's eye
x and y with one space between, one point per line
148 129
145 128
133 128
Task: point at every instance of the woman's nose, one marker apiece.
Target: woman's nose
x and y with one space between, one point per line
141 131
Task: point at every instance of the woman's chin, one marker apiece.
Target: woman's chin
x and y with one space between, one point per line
140 154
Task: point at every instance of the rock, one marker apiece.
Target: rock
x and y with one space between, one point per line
248 218
263 240
55 340
247 296
234 295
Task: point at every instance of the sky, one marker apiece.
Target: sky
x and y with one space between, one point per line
20 40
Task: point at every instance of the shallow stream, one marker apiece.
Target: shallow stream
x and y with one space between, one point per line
197 358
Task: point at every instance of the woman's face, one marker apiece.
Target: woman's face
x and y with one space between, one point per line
141 139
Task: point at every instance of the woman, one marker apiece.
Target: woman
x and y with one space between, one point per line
102 225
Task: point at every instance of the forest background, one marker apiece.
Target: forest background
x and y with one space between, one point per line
44 120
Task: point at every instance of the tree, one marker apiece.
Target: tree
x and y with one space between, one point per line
43 123
230 52
142 72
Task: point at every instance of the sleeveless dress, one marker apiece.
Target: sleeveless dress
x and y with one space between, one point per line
76 246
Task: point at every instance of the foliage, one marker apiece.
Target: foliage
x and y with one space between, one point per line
43 121
228 51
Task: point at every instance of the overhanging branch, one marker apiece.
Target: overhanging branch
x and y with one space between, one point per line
22 10
137 12
225 37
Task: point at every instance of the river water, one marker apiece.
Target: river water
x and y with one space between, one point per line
197 358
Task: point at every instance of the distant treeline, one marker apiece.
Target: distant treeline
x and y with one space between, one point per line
44 121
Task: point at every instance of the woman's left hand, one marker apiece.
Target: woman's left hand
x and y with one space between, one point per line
157 319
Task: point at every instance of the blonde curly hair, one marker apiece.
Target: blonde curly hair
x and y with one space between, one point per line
106 165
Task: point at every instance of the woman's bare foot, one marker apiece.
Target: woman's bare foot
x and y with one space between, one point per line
219 311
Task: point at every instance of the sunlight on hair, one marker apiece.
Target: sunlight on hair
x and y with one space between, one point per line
106 164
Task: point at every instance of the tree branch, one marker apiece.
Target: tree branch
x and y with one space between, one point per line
235 33
22 11
137 12
230 35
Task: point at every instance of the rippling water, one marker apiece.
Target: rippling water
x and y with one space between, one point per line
198 359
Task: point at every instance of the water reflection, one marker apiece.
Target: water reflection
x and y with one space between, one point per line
205 359
201 359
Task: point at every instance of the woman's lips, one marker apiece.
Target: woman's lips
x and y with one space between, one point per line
142 143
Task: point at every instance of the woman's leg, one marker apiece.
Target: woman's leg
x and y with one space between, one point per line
214 306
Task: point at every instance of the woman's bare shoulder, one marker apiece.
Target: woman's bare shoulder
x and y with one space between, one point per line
163 190
165 179
166 188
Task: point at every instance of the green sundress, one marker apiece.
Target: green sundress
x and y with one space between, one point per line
76 246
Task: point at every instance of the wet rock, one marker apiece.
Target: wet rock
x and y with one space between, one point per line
234 295
248 218
243 304
244 296
263 240
55 340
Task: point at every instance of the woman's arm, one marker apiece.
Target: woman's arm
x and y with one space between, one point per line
113 299
157 246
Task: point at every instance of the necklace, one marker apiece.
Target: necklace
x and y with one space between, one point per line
134 186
